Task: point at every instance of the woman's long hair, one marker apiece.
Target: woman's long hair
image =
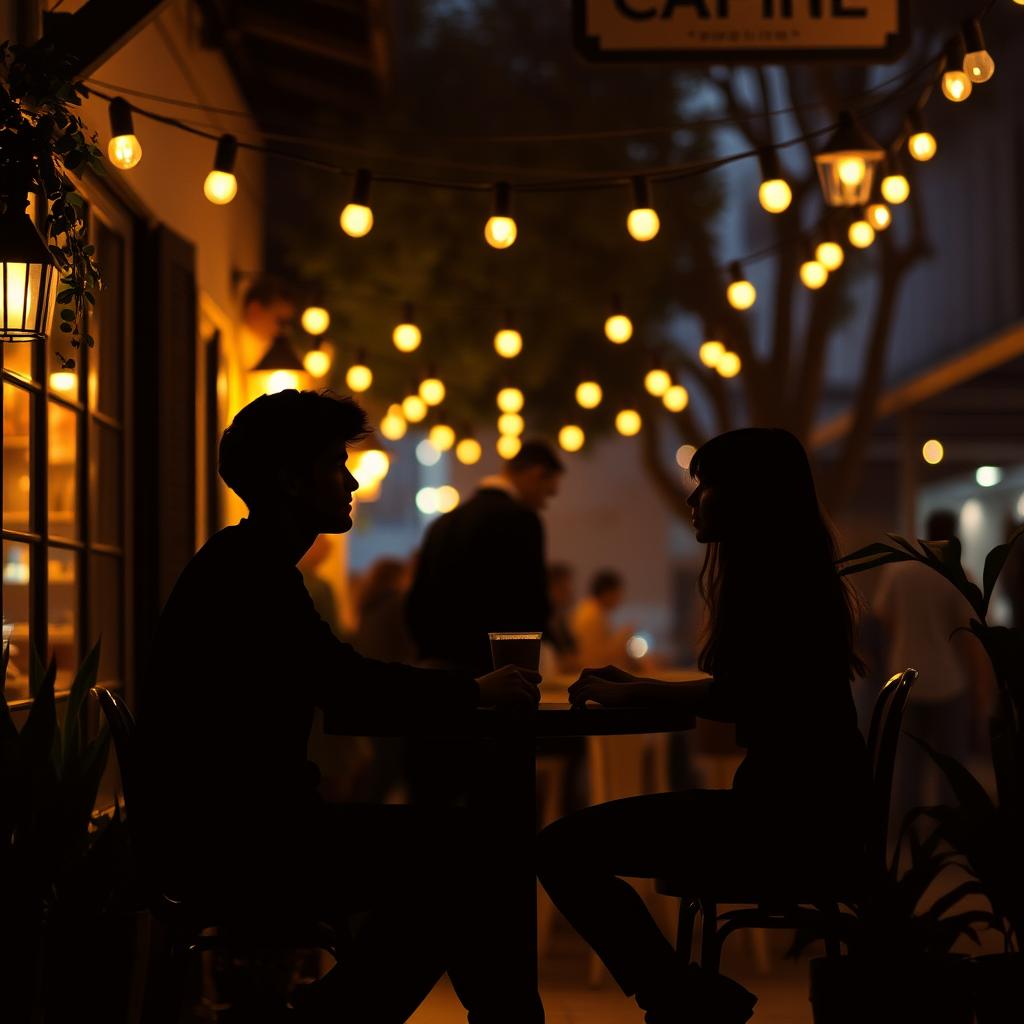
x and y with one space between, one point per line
772 574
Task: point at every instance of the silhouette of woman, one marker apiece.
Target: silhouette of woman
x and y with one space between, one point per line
778 651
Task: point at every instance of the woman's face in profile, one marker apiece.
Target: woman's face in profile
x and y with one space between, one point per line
705 510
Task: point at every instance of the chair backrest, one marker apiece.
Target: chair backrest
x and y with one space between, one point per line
883 740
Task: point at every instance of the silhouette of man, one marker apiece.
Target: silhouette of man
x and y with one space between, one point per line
240 661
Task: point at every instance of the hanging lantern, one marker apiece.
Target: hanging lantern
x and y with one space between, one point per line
848 163
281 365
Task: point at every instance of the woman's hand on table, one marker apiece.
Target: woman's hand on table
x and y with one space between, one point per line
610 687
509 686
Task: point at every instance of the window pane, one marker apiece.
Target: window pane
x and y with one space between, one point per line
105 485
106 325
106 611
62 599
63 452
15 625
18 358
17 458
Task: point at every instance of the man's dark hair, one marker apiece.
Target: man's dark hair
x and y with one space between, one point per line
290 428
604 581
536 453
941 525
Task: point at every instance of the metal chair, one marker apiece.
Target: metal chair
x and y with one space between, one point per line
818 905
191 927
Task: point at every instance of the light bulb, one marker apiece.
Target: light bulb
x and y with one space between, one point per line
684 454
317 362
988 476
813 274
406 337
676 399
956 86
710 352
432 390
628 422
979 66
371 466
511 423
414 409
508 446
441 436
775 195
861 234
830 255
643 224
508 343
220 187
426 500
852 170
124 151
393 426
468 451
356 218
500 232
895 189
447 498
922 146
510 400
729 365
879 216
571 438
427 453
315 320
932 452
618 328
589 394
64 381
657 382
359 377
741 294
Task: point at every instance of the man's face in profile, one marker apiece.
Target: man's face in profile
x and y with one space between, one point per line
324 495
536 486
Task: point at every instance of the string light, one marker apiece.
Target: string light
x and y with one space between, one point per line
921 143
861 234
657 382
315 320
589 394
221 185
813 274
628 422
426 500
643 222
447 498
878 215
774 193
123 149
932 452
356 218
895 187
729 365
468 451
359 376
618 328
741 293
571 438
978 62
676 399
830 255
500 230
510 400
369 466
427 453
847 163
710 352
414 409
393 426
432 390
511 423
406 336
508 446
508 342
956 86
441 436
317 361
684 454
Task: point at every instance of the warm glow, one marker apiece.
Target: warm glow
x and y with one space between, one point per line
414 409
356 220
17 274
979 66
775 195
988 476
510 400
511 423
861 234
447 498
830 255
369 468
895 189
710 352
432 391
282 380
852 170
813 274
220 187
407 337
393 426
468 451
628 422
508 446
571 438
879 216
508 343
657 382
359 377
124 151
683 456
426 500
315 320
317 362
729 365
427 454
643 224
676 399
932 452
618 328
922 146
500 232
589 394
956 86
64 381
741 295
442 437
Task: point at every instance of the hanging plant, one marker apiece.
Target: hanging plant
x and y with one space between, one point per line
43 136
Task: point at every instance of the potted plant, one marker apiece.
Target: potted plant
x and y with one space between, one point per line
989 834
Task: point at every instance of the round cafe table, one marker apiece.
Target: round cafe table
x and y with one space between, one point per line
512 797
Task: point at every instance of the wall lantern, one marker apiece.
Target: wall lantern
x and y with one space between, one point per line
281 364
28 275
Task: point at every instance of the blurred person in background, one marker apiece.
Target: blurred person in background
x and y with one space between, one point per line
598 641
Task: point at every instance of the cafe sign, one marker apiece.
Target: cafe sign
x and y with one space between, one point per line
752 31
